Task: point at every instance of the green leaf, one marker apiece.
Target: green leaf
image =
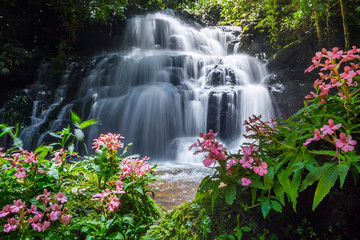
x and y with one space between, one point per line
343 170
326 182
75 118
5 130
116 235
294 188
53 172
314 175
329 153
230 194
245 229
55 135
140 190
276 206
279 193
215 189
88 123
265 207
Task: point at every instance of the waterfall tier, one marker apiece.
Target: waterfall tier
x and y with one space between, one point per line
167 83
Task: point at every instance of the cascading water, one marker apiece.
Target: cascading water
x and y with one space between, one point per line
166 84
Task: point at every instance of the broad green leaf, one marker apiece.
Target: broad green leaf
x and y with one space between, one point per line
230 194
276 206
116 235
326 182
284 181
55 135
75 118
295 183
265 207
314 175
343 170
6 130
88 123
245 229
140 190
53 172
253 195
215 189
279 193
238 234
329 153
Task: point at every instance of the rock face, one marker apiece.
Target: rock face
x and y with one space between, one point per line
289 84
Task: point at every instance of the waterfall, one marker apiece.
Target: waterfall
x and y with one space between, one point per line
166 83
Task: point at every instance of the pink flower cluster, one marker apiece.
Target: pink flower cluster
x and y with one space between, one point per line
134 167
61 155
110 141
22 162
344 143
53 211
215 151
249 161
334 78
109 198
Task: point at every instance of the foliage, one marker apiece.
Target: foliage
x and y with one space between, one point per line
16 110
45 195
284 20
280 161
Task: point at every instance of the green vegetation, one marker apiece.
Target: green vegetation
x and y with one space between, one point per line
44 194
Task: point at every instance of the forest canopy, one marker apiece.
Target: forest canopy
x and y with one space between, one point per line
50 29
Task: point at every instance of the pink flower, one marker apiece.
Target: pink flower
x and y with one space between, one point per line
210 136
335 53
317 137
113 204
65 219
329 129
328 65
231 163
61 197
110 141
37 226
44 197
54 215
345 143
101 196
45 225
17 205
208 161
5 211
11 225
246 162
30 157
262 169
20 172
33 209
245 181
348 73
43 172
309 69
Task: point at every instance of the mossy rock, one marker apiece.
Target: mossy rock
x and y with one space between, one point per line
333 219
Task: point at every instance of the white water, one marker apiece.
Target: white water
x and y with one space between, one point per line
167 83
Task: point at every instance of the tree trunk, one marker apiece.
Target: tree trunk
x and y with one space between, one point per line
346 30
318 29
328 25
